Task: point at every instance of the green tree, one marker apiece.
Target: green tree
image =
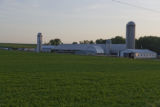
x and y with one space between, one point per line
115 40
86 42
55 42
149 42
118 40
74 43
91 42
100 41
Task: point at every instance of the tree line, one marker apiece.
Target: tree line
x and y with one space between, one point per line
116 40
146 42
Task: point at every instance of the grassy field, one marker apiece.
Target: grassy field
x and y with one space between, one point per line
51 80
14 45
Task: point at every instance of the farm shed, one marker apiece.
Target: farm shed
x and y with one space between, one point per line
138 53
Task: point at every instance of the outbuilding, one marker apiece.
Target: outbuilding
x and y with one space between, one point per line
138 54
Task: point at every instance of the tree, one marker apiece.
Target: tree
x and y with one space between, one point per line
100 41
149 42
118 40
74 43
91 42
55 41
86 42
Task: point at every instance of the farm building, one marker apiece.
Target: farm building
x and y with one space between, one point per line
86 49
138 53
93 49
122 50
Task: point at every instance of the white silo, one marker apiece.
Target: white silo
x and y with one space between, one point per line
39 42
130 35
108 46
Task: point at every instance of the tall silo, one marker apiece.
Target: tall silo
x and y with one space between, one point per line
130 35
39 42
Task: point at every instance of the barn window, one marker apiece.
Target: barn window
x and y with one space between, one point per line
137 54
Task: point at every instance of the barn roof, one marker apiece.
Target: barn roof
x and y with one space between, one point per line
139 51
89 47
98 48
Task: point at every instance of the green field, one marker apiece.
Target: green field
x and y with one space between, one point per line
52 80
15 45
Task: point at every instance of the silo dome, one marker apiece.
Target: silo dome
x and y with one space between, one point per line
131 23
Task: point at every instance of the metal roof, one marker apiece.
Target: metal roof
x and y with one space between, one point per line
89 47
48 47
139 51
96 49
99 48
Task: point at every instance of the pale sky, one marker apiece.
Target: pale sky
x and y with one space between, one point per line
75 20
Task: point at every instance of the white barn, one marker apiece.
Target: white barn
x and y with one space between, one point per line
138 54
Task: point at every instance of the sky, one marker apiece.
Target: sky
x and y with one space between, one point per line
75 20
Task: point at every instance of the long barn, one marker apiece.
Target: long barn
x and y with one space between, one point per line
86 48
